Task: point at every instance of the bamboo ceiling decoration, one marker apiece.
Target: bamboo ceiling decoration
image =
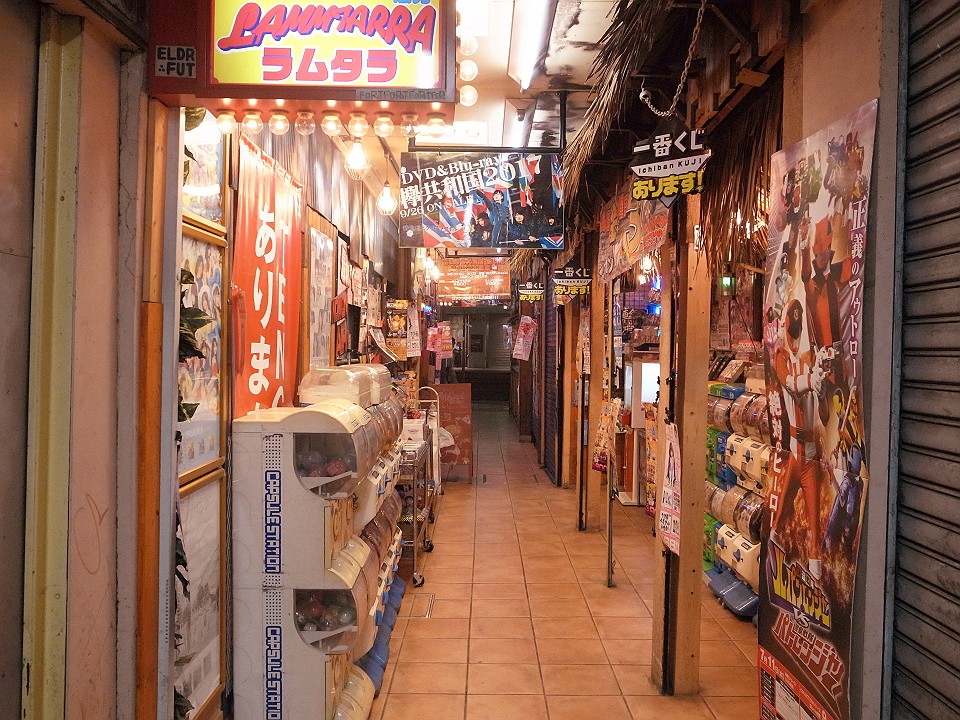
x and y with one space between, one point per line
623 49
737 181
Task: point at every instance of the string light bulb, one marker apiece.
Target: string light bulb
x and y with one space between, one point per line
252 123
383 125
305 124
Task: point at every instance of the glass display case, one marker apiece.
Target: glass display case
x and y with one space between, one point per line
347 382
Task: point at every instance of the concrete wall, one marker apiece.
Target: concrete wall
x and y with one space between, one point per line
92 585
20 18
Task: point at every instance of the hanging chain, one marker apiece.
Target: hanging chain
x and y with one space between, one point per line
686 69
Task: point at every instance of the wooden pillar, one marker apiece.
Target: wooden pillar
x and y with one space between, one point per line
596 505
677 605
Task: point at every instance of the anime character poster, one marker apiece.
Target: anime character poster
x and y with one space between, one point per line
481 200
813 308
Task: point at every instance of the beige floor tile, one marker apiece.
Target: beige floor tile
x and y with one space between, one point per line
720 653
710 629
568 627
579 680
501 627
493 574
444 678
445 591
500 608
434 627
593 562
565 707
727 708
628 652
459 562
619 628
503 591
412 706
433 650
450 609
559 574
629 606
498 550
506 707
564 651
504 679
536 547
729 681
447 575
749 649
635 680
554 590
452 549
399 628
558 607
646 707
737 629
503 650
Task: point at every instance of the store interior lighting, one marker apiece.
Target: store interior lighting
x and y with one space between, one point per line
383 126
357 163
468 70
468 96
436 125
386 201
538 18
305 124
468 45
252 123
226 122
279 123
358 126
331 124
408 128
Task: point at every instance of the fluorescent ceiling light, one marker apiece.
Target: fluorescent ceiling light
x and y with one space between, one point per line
536 17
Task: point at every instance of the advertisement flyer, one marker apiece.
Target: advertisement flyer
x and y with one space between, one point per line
481 200
526 333
266 274
468 279
668 519
813 309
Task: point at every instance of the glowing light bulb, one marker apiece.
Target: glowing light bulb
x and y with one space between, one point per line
386 202
252 123
226 122
357 163
468 96
436 126
358 125
468 45
383 126
279 124
331 124
408 128
468 70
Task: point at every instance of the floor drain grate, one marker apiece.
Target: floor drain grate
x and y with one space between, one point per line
422 606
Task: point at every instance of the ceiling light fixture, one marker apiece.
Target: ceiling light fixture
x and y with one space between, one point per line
226 122
252 123
537 17
408 128
331 124
357 164
468 45
358 125
279 123
468 96
386 202
305 124
383 125
468 70
436 125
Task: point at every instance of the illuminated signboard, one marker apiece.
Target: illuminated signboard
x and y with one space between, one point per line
369 50
473 278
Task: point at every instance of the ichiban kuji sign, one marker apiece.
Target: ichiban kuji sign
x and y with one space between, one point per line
571 280
369 46
531 291
670 163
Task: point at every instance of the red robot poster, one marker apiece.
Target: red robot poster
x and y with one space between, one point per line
813 309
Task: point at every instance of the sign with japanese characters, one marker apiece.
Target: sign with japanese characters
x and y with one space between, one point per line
670 163
531 291
526 332
668 516
473 278
813 311
571 280
381 50
481 200
397 327
266 274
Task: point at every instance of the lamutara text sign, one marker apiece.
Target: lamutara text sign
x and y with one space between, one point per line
368 44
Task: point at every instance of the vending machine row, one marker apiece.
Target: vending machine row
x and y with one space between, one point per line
316 546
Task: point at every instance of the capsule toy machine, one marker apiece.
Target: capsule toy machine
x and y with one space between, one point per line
302 600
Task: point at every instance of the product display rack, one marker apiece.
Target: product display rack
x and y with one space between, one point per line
418 496
316 547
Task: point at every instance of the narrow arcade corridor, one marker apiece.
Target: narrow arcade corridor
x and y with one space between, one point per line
515 621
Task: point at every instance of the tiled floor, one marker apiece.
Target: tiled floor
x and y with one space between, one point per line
521 625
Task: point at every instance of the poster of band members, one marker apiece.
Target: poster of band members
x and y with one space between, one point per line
266 274
813 309
481 200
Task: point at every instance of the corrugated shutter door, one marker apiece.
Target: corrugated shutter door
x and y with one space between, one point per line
926 673
550 383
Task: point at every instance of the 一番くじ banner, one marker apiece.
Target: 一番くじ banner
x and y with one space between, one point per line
813 309
481 200
266 278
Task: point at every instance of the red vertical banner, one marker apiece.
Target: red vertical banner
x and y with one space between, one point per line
266 283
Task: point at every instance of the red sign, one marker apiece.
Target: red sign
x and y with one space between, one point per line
266 275
456 418
474 278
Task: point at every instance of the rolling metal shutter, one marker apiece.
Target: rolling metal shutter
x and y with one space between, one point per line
926 670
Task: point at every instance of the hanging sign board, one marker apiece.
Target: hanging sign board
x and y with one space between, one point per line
526 332
266 273
397 328
571 280
668 520
531 291
670 163
473 278
481 200
813 310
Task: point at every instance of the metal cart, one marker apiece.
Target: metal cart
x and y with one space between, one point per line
417 504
